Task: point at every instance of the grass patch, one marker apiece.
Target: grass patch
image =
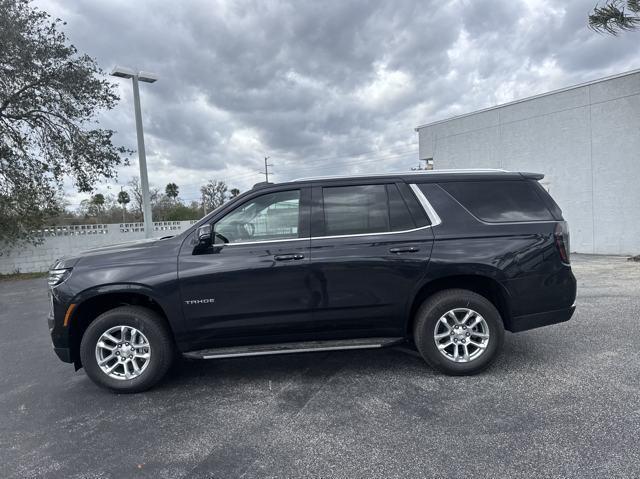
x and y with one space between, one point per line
19 276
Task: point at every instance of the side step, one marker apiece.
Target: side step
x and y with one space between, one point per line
289 348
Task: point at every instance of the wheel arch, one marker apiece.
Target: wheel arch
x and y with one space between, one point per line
92 303
485 286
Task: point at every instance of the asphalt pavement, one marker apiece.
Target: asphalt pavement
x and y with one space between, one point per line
561 401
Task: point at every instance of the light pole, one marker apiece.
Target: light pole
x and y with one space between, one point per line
146 77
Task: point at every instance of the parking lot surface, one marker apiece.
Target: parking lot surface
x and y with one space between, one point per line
561 401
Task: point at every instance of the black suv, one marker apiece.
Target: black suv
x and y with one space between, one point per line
444 260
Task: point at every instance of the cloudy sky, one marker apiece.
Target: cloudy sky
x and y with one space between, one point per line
323 87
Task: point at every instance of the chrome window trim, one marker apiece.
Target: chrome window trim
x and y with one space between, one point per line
331 237
431 213
371 234
264 241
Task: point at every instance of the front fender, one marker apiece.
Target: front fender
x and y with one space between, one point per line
168 299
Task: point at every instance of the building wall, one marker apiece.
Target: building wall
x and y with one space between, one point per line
67 240
585 139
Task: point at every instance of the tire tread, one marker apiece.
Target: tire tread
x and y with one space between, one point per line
424 341
151 323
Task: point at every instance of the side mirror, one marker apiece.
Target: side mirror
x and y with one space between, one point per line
204 235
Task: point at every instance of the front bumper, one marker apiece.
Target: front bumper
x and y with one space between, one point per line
537 320
58 331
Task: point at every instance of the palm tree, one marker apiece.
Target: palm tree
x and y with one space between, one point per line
613 18
171 190
123 199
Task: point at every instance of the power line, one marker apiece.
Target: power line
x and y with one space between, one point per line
309 168
357 155
350 161
410 149
365 160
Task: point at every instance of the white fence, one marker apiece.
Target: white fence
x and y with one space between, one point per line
66 240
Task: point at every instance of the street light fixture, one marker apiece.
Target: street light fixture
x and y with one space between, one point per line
146 77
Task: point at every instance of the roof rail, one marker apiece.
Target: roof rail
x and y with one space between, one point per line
261 184
532 176
403 173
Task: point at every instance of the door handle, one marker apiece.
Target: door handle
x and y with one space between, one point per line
409 249
288 257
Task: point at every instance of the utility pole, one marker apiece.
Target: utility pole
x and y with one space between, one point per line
266 168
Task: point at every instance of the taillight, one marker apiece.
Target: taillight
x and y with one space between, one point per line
561 235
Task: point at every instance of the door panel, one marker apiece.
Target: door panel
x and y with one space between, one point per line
254 293
362 285
363 281
252 284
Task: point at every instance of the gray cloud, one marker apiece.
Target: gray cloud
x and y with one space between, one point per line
313 84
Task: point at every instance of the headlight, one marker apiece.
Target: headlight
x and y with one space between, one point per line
58 276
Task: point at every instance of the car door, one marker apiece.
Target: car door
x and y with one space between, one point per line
369 249
252 285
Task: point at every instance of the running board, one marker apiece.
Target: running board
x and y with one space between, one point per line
289 348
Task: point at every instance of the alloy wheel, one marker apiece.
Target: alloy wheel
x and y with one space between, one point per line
461 335
123 352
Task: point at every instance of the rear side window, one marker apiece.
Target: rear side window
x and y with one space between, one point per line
399 217
350 210
499 201
418 213
355 209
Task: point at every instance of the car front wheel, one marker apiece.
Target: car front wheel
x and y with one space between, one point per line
458 332
127 349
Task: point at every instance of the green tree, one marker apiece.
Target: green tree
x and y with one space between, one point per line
172 191
123 199
97 200
234 192
615 16
181 212
50 95
214 194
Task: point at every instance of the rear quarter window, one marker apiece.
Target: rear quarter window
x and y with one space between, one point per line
499 201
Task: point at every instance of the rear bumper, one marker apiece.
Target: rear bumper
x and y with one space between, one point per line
531 321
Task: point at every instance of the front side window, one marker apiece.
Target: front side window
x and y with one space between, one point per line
273 216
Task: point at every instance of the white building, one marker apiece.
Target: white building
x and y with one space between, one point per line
585 139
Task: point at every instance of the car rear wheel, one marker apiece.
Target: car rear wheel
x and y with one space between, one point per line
458 332
127 349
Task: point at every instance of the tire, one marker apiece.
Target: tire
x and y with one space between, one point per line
117 322
453 305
